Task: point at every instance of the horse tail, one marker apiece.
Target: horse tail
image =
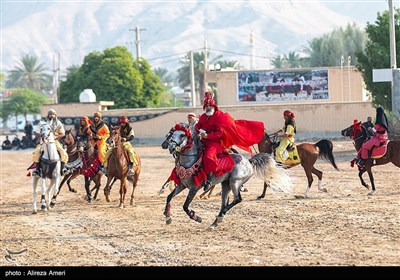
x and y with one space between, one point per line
325 151
277 177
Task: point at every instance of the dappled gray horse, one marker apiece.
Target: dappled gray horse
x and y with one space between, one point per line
185 146
50 166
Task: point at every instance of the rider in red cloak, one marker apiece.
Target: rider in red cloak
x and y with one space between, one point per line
219 132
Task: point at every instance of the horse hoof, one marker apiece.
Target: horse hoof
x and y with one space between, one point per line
34 211
168 220
371 192
300 196
323 190
199 220
259 197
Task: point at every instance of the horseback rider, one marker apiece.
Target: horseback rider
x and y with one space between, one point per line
192 119
219 131
58 130
286 135
99 133
127 134
82 131
379 138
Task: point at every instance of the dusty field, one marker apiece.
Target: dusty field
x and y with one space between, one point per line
343 227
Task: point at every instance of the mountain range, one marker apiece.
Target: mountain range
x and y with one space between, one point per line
62 33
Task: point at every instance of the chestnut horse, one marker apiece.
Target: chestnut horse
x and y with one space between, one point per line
308 153
392 154
118 167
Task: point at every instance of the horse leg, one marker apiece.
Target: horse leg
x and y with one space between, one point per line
134 184
237 198
310 180
88 192
164 186
122 193
371 178
192 215
107 189
264 191
72 177
224 202
55 183
360 173
97 185
65 178
43 197
34 194
167 210
319 173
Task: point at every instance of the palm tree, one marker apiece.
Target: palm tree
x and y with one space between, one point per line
198 65
279 62
229 64
29 74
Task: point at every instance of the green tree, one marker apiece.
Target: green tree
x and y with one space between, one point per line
279 62
113 75
328 49
23 102
30 74
377 56
292 60
152 86
229 64
165 77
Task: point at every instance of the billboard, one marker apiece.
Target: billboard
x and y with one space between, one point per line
285 85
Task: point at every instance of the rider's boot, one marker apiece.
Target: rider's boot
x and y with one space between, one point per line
103 169
63 169
361 163
36 172
207 183
131 172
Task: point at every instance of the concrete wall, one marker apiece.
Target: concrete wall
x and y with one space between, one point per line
314 118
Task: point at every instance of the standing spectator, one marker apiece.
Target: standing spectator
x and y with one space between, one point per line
28 129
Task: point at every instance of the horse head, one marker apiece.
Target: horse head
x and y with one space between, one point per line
184 144
115 137
83 143
68 139
46 133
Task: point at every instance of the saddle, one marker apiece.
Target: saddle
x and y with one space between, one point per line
290 155
378 151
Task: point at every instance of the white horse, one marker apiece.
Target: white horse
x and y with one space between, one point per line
50 165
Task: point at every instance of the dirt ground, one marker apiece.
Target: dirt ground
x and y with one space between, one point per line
344 227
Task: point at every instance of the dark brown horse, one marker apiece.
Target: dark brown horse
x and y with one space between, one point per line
392 154
308 153
90 165
118 167
74 161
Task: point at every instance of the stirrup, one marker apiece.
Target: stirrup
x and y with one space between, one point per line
103 170
207 186
131 172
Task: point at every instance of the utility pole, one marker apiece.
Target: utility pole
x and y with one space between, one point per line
393 64
56 78
252 51
192 86
205 84
137 41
